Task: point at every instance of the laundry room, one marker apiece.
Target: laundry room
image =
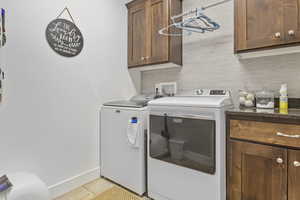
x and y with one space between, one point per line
150 99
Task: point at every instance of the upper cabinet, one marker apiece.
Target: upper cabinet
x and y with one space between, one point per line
266 23
137 34
145 45
292 20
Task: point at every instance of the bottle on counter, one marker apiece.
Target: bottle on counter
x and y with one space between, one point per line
283 99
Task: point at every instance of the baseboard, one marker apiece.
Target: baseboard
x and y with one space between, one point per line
69 184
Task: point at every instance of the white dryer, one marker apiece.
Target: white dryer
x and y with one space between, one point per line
186 145
123 144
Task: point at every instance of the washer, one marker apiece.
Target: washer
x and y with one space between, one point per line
123 144
186 158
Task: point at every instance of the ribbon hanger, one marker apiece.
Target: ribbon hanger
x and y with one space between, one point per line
69 13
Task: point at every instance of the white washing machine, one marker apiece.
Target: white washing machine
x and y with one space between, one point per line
186 141
123 144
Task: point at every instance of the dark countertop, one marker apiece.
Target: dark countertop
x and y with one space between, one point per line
273 115
270 115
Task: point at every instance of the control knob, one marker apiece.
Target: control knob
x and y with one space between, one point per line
199 92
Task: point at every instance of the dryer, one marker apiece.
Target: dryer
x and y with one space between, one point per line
186 142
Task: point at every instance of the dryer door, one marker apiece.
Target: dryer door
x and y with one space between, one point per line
183 139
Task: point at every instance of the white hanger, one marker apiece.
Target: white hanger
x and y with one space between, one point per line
198 23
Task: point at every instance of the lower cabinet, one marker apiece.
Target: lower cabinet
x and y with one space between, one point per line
257 172
294 175
262 172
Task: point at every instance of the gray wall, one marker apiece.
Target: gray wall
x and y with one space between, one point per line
209 61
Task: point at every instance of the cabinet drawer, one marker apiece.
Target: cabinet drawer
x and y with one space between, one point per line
269 133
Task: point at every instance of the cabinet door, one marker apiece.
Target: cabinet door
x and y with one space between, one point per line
292 21
258 23
137 34
294 175
257 172
158 18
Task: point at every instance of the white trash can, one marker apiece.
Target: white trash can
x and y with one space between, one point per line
26 186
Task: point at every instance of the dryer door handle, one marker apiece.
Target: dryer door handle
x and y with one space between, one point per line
192 116
184 115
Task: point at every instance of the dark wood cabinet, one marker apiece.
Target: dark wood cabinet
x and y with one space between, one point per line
265 132
137 37
158 18
292 20
145 45
263 159
294 175
266 23
257 172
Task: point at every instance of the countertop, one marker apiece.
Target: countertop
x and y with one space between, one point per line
292 116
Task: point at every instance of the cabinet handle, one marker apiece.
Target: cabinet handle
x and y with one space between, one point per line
287 135
277 35
279 160
291 33
297 164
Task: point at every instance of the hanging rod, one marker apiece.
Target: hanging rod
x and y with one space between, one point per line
197 10
183 24
215 4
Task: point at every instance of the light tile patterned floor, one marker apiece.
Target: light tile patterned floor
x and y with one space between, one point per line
88 191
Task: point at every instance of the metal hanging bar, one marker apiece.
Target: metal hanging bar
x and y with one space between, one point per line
198 23
215 4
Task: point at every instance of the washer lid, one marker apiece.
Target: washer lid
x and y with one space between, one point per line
128 104
201 101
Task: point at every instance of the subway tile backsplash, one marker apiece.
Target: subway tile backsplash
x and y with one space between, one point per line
209 62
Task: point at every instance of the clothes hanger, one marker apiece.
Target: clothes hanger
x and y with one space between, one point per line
198 23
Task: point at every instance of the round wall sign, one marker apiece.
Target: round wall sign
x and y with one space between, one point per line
64 37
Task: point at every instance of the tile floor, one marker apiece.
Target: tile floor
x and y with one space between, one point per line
88 191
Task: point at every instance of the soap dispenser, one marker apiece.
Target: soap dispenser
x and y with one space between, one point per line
283 100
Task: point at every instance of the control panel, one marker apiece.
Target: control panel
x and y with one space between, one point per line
204 93
208 92
217 92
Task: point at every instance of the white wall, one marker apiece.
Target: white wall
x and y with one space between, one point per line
49 118
209 62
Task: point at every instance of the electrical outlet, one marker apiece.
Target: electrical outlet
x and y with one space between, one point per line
166 89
